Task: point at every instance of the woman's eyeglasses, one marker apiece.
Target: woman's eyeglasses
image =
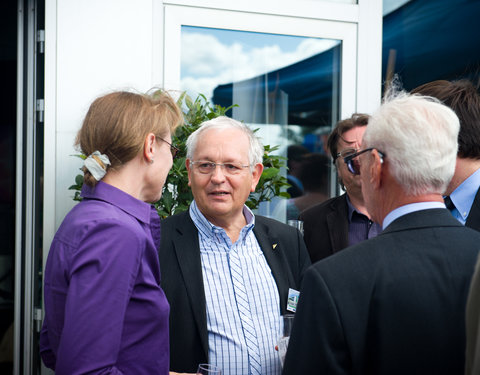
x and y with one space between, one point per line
174 150
352 163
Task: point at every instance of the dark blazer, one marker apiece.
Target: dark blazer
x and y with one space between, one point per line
325 227
473 219
394 304
182 280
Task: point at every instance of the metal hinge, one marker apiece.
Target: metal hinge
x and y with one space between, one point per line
40 107
41 40
37 318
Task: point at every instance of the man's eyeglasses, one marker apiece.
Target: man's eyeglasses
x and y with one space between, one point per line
345 153
208 167
174 150
352 162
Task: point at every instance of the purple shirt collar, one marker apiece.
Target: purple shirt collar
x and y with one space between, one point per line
110 194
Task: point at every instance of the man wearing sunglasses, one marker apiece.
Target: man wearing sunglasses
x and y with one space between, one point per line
340 221
394 304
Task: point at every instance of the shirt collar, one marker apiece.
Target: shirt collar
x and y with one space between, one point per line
208 229
409 208
351 210
464 195
116 197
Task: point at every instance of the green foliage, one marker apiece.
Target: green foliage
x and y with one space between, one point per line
78 181
176 195
271 182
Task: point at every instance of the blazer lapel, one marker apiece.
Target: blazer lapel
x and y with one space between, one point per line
272 249
337 221
187 249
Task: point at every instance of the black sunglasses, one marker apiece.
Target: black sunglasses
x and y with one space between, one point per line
352 162
174 150
344 153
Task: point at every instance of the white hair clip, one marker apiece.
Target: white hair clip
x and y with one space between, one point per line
97 164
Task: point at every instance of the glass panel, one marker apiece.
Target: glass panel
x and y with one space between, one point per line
391 5
286 86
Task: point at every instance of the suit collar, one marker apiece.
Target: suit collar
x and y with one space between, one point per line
435 217
409 208
274 254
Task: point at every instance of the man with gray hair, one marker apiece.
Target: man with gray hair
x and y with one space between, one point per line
227 273
394 304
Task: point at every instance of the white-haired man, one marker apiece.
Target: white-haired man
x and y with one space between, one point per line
227 273
394 304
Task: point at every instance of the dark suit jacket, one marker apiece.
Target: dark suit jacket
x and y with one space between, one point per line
325 227
473 219
182 280
394 304
472 361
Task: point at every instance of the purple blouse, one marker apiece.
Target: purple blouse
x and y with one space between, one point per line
104 309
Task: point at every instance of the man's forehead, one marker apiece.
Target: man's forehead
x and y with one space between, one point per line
353 135
228 144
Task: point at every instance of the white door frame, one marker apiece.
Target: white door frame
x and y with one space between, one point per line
176 16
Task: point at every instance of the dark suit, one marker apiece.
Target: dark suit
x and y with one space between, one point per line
473 219
472 362
182 280
394 304
325 227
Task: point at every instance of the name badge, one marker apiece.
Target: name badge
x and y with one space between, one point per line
292 299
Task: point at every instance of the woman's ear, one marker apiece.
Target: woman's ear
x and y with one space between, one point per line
149 148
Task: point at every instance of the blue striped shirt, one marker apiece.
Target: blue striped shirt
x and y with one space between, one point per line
226 326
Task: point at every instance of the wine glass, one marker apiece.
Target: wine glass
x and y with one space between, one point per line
297 224
283 340
206 369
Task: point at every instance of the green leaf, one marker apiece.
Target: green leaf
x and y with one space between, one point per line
79 180
269 173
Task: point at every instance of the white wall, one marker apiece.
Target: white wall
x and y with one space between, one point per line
92 47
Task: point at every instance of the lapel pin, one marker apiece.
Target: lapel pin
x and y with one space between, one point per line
274 246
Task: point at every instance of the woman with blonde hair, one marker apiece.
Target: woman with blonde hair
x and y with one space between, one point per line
104 309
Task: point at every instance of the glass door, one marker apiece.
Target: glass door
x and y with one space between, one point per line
285 74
